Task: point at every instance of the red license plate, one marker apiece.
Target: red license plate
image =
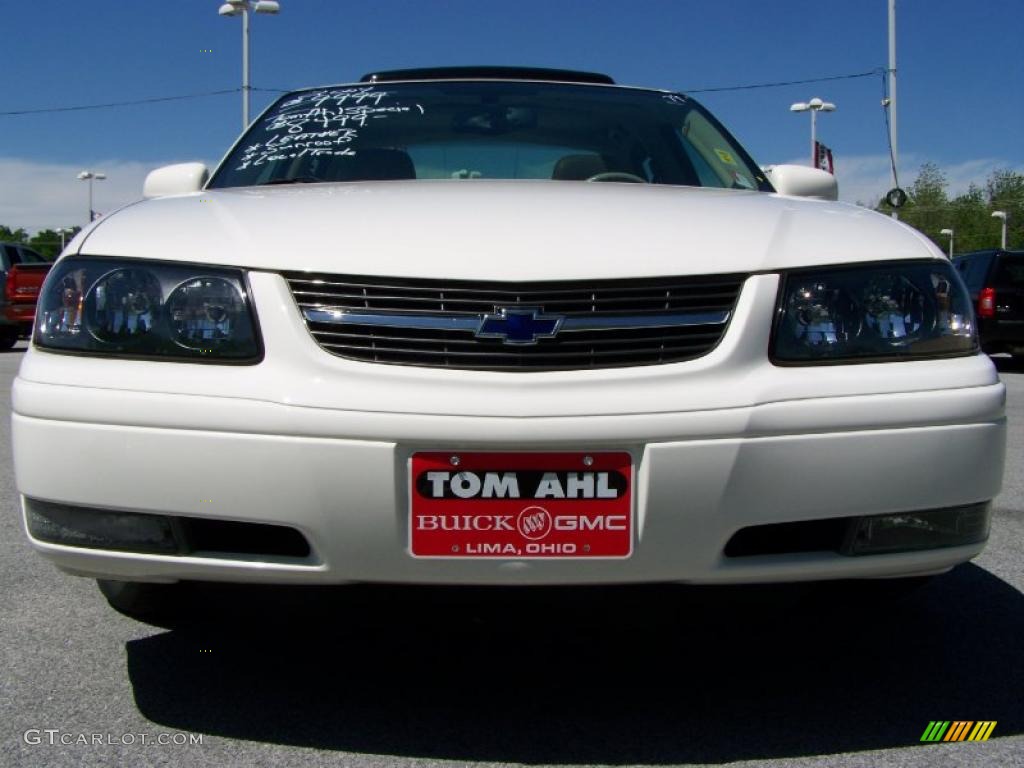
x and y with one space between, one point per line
521 505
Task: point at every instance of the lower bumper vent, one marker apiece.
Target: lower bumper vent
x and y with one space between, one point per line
93 528
868 535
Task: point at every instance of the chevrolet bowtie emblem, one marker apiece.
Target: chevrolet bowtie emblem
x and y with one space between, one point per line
519 325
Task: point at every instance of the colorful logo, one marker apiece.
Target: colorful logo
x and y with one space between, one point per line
958 730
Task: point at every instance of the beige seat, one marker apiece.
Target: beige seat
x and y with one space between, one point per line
579 167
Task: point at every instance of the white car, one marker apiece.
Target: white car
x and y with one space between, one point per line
501 327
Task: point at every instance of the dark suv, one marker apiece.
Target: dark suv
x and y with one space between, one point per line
996 282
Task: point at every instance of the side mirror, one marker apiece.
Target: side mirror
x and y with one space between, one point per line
802 181
179 179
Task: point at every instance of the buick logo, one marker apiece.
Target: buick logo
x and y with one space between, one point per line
519 325
534 523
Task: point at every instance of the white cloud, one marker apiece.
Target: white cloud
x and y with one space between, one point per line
36 195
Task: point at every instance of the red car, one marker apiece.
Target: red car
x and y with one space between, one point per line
23 273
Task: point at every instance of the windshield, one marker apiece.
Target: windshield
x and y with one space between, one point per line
1011 271
488 130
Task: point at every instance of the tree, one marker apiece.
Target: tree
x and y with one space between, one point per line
929 188
928 209
9 235
1005 190
970 220
969 214
47 241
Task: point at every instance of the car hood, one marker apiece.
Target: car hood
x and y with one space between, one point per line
502 230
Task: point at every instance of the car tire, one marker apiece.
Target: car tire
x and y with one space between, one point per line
151 603
8 337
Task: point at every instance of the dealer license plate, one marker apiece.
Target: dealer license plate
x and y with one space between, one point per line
521 505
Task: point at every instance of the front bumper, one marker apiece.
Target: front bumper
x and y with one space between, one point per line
323 445
700 477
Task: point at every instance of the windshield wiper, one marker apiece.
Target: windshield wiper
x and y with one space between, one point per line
292 180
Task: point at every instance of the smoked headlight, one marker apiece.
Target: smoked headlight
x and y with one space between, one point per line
873 313
145 309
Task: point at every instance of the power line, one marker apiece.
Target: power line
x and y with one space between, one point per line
81 107
224 92
752 86
886 101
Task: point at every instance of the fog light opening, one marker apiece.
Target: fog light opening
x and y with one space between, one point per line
100 529
912 531
144 533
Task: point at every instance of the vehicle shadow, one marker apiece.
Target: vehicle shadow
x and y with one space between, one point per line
617 676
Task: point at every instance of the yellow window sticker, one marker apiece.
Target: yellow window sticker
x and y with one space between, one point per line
725 157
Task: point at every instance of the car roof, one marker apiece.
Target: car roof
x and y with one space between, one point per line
987 252
488 73
479 74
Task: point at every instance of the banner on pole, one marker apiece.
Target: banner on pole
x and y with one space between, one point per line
823 158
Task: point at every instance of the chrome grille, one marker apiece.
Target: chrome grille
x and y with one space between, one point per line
601 323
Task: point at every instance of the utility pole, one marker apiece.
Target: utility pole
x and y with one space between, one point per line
892 97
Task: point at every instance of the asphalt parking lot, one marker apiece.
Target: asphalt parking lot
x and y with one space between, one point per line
432 677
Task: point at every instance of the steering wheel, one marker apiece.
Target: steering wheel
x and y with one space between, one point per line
618 176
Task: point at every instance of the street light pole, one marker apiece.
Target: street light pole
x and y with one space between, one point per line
814 138
246 70
243 8
90 176
1001 215
950 233
814 106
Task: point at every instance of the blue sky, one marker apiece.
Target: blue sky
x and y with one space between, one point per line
960 88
